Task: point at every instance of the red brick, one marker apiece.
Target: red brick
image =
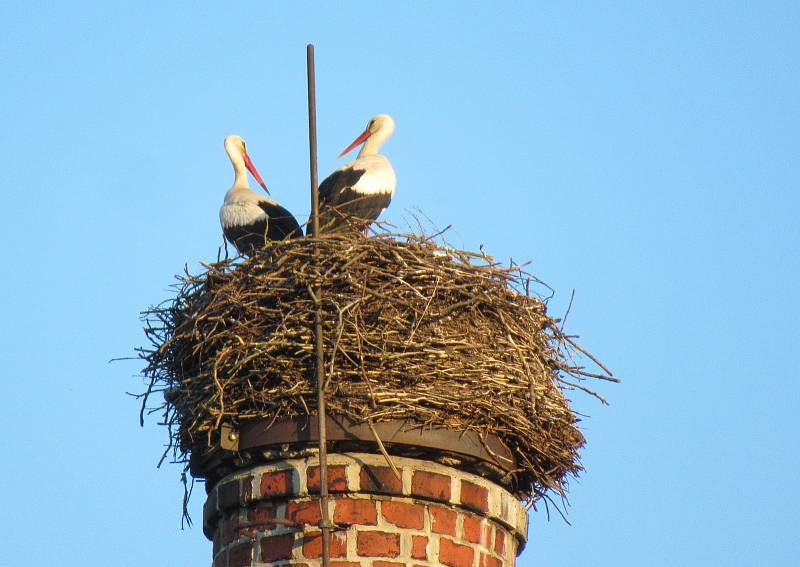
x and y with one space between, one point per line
378 544
312 545
403 514
381 480
431 485
229 495
228 529
249 532
453 554
276 484
419 547
474 496
304 512
472 529
443 521
337 480
486 535
489 561
223 534
247 489
220 560
240 555
499 541
351 511
387 564
277 548
345 564
217 545
261 516
211 506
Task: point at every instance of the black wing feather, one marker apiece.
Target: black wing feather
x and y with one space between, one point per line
332 186
282 223
335 191
276 225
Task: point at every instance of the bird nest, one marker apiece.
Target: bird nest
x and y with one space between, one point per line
413 330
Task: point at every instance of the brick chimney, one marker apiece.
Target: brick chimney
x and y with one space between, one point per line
267 514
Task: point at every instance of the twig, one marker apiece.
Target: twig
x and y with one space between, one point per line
383 450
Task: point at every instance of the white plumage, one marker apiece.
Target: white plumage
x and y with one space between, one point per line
248 219
356 194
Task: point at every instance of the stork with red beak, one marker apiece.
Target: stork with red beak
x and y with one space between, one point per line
356 194
248 219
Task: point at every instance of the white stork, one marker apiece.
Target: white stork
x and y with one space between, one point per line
248 219
357 193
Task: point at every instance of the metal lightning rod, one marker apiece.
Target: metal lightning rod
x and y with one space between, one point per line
325 523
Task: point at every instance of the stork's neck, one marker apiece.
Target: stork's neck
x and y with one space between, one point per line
372 145
240 172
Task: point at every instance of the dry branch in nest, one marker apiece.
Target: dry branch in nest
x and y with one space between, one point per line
413 331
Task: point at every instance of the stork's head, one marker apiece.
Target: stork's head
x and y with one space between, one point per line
236 148
378 130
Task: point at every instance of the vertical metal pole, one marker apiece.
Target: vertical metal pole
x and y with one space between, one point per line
312 139
325 524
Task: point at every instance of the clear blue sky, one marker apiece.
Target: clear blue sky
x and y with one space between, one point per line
644 154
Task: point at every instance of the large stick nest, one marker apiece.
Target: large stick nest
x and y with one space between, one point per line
413 330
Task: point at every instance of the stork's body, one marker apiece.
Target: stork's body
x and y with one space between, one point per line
248 219
356 194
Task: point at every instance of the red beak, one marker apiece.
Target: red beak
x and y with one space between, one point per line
252 169
360 140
